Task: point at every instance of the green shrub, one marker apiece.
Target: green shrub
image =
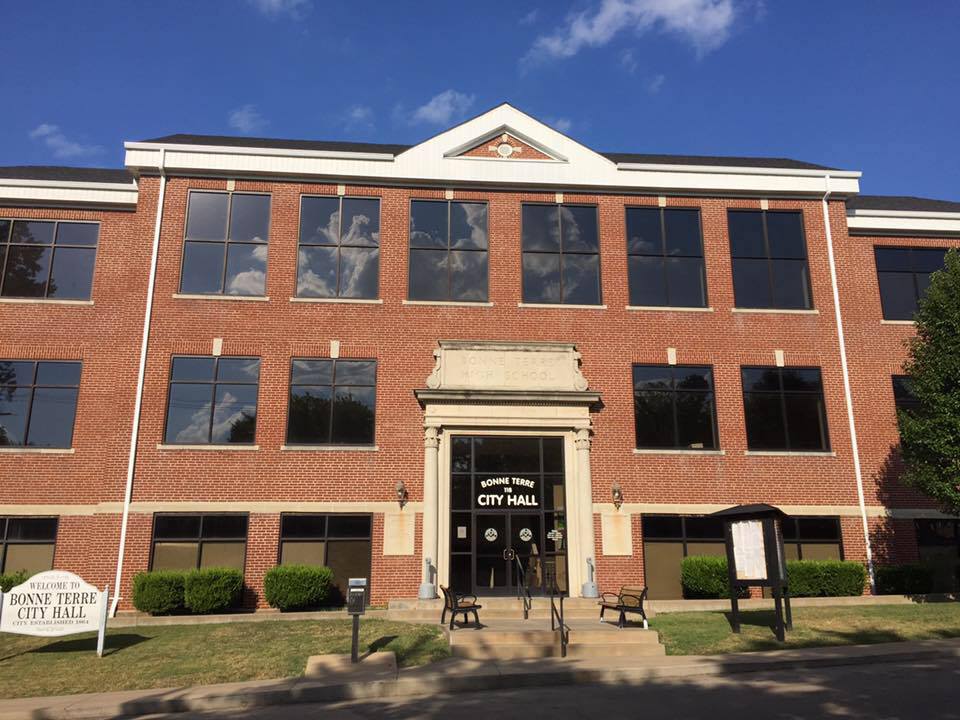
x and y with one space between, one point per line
159 592
212 590
825 578
704 576
295 587
907 579
11 580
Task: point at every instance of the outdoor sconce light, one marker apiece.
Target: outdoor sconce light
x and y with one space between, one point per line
617 492
401 494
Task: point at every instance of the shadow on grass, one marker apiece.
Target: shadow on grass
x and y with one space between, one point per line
113 644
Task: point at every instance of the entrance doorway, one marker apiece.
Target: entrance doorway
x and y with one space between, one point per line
508 514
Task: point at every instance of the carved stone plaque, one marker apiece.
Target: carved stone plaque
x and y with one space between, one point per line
463 365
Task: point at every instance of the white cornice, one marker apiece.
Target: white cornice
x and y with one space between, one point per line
741 170
902 223
267 152
53 193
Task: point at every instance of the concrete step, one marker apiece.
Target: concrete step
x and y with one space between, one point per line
517 651
492 603
590 650
512 639
433 616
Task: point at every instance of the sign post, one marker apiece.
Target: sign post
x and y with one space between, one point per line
55 603
356 606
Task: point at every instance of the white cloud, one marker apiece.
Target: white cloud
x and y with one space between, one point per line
655 83
443 108
358 116
531 17
705 24
246 119
273 9
559 123
628 61
60 145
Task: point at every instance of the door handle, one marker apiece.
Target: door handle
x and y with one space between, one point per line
509 554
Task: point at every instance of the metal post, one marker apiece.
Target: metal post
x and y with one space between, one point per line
786 605
104 607
355 645
778 608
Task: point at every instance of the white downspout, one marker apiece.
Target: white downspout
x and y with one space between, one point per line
138 403
848 396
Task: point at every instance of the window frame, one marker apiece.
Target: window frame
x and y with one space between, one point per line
560 253
769 259
199 539
8 243
448 296
333 389
781 393
914 276
339 246
226 242
33 386
213 390
6 542
663 251
673 400
799 541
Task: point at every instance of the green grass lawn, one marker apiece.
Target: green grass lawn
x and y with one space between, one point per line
178 655
708 633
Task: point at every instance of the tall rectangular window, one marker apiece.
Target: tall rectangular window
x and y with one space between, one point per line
38 403
904 275
448 251
784 409
339 254
938 542
674 407
188 542
225 248
332 402
665 257
769 255
340 542
27 544
213 400
561 254
46 259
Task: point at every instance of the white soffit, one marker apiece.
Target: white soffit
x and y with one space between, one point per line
67 193
429 163
902 222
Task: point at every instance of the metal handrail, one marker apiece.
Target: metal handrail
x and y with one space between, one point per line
523 590
556 617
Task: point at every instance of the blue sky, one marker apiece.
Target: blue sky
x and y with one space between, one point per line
869 85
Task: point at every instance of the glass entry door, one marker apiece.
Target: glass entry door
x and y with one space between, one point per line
508 511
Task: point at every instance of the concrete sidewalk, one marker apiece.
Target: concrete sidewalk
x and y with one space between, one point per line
337 681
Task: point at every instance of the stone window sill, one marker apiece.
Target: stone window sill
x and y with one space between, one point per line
228 448
448 303
898 322
330 448
788 453
241 298
669 308
36 451
561 306
44 301
676 451
349 301
775 311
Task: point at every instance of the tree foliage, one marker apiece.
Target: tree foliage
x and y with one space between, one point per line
930 434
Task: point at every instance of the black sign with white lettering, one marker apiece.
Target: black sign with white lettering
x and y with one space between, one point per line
507 493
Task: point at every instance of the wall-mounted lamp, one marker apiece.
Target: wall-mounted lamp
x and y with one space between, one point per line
617 492
401 494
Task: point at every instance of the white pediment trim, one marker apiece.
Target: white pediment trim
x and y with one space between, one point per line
490 136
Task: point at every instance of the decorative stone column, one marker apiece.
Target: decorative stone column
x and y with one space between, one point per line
585 511
431 473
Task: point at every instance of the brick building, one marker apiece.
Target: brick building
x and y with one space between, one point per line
434 363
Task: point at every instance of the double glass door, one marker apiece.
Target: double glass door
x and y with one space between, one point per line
508 552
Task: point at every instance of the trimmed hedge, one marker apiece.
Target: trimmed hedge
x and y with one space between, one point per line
11 580
907 579
159 592
296 587
212 590
706 577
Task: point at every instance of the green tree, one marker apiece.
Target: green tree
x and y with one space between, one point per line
930 434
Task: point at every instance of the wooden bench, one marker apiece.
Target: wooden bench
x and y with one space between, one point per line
457 604
628 600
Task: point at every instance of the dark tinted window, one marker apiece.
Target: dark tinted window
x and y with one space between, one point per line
769 258
903 275
784 409
38 403
186 542
225 248
332 402
27 544
41 259
213 400
341 542
665 257
561 254
674 407
448 251
339 254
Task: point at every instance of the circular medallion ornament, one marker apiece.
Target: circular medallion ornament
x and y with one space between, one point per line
490 534
526 535
504 149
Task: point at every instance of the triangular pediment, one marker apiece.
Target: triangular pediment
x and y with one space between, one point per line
505 143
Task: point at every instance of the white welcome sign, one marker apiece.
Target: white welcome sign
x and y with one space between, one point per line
55 603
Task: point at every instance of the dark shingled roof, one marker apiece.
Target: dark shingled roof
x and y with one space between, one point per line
230 141
68 174
901 202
